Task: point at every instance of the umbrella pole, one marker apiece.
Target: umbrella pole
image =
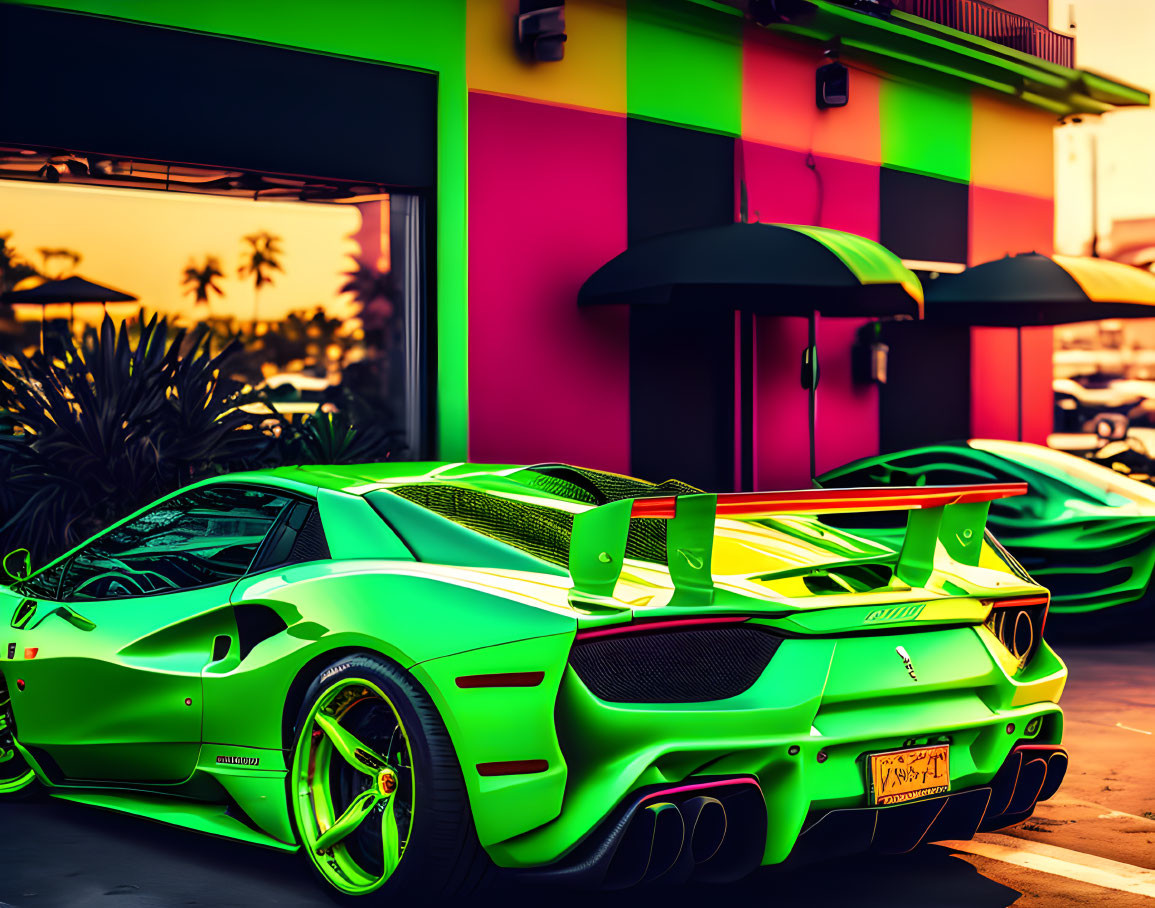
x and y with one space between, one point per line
812 356
1019 382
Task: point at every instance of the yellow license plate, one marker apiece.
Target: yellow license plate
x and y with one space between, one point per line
913 772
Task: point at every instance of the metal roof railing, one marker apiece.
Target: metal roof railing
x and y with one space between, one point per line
995 24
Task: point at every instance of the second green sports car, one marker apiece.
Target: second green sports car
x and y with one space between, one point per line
418 674
1085 531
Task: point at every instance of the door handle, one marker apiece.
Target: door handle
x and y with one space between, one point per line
221 646
23 614
74 618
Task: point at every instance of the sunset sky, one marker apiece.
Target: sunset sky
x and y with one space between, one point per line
141 242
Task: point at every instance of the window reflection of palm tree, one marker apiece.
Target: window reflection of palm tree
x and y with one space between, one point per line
71 259
201 282
14 269
372 291
262 257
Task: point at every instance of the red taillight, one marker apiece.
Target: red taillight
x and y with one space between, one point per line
638 626
1018 622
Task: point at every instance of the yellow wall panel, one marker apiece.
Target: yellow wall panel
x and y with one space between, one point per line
1011 147
592 75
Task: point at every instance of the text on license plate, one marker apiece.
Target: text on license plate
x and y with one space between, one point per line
913 772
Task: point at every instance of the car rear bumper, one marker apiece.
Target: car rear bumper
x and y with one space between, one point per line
714 829
802 732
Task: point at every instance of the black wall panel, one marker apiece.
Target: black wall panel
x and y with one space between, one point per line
926 398
927 395
101 86
923 217
681 355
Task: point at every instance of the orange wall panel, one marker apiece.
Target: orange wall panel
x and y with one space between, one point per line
778 101
592 75
1011 146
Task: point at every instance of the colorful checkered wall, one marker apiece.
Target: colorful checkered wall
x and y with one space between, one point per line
698 68
534 191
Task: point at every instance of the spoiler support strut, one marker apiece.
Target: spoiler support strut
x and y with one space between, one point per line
954 516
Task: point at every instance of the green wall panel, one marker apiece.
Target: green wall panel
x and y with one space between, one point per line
684 65
926 129
426 35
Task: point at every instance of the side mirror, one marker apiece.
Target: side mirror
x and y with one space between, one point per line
17 564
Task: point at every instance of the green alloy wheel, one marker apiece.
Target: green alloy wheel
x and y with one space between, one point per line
375 787
17 780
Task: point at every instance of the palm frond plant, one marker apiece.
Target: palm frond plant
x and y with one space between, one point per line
338 437
262 258
108 425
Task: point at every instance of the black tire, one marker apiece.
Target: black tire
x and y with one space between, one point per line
442 858
15 784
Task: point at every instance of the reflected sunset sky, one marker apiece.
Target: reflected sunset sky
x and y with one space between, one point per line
142 241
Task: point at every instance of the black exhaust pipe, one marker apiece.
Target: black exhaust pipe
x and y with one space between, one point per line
706 824
650 847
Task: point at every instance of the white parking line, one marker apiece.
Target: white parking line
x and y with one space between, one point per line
1129 728
1074 865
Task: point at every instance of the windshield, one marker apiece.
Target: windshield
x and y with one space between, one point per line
1100 484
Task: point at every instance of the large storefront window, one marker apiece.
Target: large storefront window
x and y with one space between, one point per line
291 314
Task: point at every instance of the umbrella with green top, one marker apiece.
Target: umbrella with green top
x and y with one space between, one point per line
767 269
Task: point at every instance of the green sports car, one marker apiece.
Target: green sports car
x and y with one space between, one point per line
1085 531
421 674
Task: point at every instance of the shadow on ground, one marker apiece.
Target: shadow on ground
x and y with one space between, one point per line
62 854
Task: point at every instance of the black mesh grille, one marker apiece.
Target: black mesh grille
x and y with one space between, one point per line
310 544
688 665
544 531
541 531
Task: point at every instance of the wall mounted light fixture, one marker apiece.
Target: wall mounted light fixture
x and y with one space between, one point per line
832 86
541 30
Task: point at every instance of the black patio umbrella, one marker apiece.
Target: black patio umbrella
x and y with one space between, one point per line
1033 289
767 269
1030 289
71 290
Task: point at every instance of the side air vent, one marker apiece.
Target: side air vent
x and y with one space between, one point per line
255 624
310 544
678 665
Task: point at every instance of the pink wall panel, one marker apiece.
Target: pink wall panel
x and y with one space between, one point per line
781 449
833 193
994 384
547 206
782 188
847 422
1005 223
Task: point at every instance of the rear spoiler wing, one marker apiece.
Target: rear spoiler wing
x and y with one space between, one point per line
953 515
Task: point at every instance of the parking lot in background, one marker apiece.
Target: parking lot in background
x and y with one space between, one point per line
1095 840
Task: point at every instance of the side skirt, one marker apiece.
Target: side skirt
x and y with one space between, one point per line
212 819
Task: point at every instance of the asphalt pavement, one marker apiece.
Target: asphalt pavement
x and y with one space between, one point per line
1094 841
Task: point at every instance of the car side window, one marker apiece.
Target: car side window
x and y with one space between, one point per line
297 538
206 536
